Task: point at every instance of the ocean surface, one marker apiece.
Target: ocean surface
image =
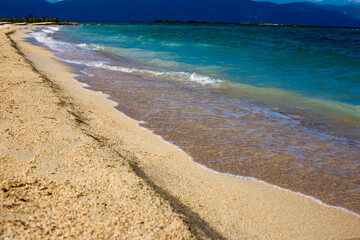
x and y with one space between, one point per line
278 104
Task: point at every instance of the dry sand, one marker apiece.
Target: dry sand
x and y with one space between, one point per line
73 166
57 179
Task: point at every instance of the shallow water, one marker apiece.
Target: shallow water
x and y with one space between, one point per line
277 104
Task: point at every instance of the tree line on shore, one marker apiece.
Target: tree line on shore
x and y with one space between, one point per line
30 19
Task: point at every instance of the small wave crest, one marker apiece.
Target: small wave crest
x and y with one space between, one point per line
204 80
91 46
44 36
177 76
172 44
182 76
51 29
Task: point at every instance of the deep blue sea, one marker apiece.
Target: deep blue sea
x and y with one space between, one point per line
279 104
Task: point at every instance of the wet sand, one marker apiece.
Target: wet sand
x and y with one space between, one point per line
228 135
83 169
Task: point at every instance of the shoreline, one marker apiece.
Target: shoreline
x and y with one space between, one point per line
325 192
220 205
65 183
40 23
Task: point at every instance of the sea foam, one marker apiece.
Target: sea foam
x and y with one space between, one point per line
44 36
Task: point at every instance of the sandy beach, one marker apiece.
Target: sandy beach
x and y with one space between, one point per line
75 167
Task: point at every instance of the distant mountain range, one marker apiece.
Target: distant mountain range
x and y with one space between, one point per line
300 13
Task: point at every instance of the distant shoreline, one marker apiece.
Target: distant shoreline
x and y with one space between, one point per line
41 23
34 20
248 24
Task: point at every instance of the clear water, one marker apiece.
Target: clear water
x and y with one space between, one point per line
321 63
276 103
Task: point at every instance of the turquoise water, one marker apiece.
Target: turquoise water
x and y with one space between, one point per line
322 63
279 104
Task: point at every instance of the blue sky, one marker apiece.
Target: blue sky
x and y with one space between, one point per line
334 2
